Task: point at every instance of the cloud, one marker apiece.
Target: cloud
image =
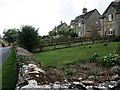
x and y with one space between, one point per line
66 8
44 14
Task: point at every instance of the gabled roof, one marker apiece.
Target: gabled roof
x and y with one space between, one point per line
84 17
59 26
115 5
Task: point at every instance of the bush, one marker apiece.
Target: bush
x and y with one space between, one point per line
115 39
28 38
109 60
62 67
94 57
89 46
68 72
84 67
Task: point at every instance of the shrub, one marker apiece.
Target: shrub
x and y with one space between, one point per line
109 60
89 46
62 67
84 67
68 72
115 39
28 38
94 57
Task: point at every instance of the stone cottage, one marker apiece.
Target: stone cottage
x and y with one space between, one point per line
87 24
110 20
62 26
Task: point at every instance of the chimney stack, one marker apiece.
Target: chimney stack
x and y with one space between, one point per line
84 11
60 22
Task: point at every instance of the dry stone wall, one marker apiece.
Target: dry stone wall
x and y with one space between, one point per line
33 77
31 74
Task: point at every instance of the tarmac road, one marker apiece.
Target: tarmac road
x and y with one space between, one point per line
4 51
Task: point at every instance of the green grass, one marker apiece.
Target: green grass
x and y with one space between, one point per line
9 72
69 55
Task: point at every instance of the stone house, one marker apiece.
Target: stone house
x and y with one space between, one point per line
62 26
110 20
87 24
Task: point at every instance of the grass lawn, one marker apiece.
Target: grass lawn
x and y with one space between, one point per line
9 71
69 55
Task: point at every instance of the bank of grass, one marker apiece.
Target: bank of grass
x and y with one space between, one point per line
9 74
69 55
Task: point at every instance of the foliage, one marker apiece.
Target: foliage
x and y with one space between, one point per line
73 34
53 33
84 67
109 60
9 72
89 46
115 39
94 57
10 35
41 46
68 72
28 38
22 59
62 67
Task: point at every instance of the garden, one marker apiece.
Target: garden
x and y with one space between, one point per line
87 62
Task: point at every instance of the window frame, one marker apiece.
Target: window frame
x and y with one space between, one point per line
110 17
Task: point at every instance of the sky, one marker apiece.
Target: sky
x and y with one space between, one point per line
44 14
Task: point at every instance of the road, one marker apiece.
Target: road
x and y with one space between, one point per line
4 51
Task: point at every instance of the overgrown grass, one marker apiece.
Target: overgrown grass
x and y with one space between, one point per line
69 55
9 75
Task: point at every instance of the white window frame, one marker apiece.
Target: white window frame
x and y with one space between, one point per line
111 30
110 17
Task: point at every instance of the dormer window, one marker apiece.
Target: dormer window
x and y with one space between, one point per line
110 17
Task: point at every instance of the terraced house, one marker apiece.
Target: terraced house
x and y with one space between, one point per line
110 20
87 24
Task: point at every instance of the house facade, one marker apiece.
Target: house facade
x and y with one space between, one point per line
87 24
110 20
62 26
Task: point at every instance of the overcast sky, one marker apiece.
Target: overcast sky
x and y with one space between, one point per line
44 14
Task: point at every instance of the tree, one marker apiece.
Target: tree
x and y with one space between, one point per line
65 33
28 38
73 34
10 35
53 33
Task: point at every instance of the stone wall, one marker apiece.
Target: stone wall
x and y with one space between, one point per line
31 74
33 77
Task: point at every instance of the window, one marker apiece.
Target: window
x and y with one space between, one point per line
79 24
110 17
111 31
71 26
80 33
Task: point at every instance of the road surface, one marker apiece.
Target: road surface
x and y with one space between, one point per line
4 51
